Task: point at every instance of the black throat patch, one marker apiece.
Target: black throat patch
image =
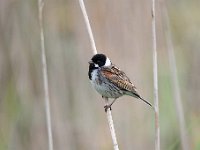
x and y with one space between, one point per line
91 68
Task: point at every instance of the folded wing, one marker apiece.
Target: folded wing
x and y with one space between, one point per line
119 78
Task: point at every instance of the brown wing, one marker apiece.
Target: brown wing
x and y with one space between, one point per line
119 78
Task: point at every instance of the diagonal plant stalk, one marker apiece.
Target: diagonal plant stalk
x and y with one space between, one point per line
174 76
89 29
155 77
109 115
112 128
45 76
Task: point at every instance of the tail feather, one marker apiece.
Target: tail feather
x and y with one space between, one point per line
136 95
146 101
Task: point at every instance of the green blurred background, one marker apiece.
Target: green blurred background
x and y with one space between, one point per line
122 30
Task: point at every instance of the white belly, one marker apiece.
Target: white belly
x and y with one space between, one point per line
105 88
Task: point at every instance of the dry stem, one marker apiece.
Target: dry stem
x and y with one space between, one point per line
109 115
155 76
45 76
89 29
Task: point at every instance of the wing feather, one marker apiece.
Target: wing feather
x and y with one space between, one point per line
118 78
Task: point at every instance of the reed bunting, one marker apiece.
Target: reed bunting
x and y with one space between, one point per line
109 80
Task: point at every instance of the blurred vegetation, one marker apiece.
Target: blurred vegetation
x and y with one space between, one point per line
123 31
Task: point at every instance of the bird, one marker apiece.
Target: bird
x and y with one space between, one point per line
109 81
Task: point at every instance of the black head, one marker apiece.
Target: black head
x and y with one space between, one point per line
98 61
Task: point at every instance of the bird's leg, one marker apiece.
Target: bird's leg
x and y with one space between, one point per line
112 102
109 106
106 105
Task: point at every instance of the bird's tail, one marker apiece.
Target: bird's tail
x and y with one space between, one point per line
136 95
145 101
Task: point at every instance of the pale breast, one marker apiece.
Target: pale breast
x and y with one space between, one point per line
104 87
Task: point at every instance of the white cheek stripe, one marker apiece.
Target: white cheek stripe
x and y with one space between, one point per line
108 62
96 65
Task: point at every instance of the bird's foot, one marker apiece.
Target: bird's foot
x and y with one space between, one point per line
106 107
